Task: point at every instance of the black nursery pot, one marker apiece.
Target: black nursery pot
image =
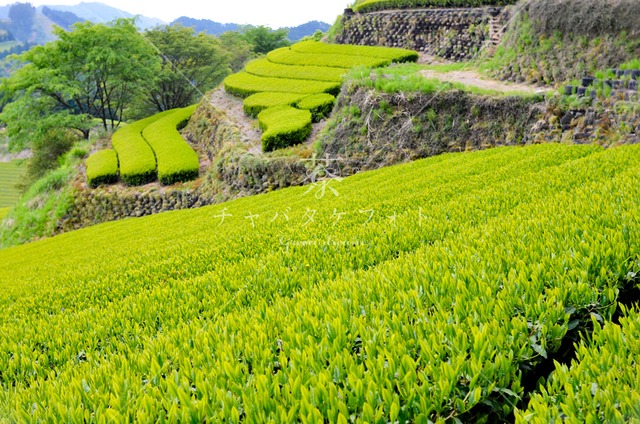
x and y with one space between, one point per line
593 94
587 81
636 74
568 90
608 83
633 85
581 91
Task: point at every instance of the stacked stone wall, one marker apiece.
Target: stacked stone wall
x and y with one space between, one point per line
455 34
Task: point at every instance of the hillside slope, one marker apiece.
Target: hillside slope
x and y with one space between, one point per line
431 290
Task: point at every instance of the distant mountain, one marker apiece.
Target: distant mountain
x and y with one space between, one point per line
216 28
305 30
205 25
61 18
101 13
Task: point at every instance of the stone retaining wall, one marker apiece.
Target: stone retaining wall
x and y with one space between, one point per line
455 34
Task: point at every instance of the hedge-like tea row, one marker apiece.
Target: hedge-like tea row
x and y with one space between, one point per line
293 73
136 158
375 5
177 161
265 68
320 105
284 126
602 384
413 293
102 168
244 84
394 55
258 102
288 56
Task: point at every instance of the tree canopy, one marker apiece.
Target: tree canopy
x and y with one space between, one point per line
191 65
264 39
92 72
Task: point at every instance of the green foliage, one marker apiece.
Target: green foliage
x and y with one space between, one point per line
266 68
102 168
177 161
191 64
40 208
320 106
136 158
47 151
601 385
264 39
284 126
238 50
4 212
11 174
258 102
375 5
95 70
244 84
424 301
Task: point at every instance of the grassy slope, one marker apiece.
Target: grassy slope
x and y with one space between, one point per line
9 176
267 314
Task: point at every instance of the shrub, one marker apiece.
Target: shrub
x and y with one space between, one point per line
177 161
102 168
289 56
320 105
137 160
284 126
265 68
258 102
392 54
244 84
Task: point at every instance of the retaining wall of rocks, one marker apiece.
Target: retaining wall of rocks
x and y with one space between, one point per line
455 34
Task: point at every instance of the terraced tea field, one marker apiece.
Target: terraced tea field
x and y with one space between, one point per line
291 79
10 173
421 292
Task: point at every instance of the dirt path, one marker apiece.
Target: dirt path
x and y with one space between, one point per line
232 107
477 80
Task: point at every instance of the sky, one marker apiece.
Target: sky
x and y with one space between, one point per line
272 13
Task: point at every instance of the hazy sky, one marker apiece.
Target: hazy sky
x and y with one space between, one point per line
273 13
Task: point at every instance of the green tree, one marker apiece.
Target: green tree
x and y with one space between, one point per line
93 72
191 65
264 39
238 50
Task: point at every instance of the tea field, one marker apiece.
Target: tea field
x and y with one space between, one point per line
425 292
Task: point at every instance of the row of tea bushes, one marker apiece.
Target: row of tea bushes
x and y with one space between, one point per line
146 150
306 76
177 161
137 161
102 168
